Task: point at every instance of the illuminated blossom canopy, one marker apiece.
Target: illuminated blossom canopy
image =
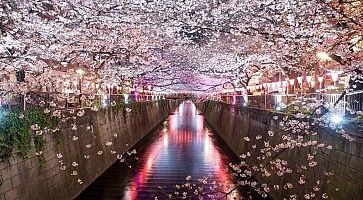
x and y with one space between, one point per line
183 45
189 45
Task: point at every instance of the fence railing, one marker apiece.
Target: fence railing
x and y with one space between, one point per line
352 101
43 100
8 100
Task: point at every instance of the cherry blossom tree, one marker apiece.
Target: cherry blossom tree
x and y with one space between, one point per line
186 46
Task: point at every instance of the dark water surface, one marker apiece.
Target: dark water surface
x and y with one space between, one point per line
182 146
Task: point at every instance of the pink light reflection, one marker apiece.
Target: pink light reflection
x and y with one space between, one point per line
184 148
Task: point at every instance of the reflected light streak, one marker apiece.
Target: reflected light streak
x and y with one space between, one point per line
188 141
143 173
212 155
165 139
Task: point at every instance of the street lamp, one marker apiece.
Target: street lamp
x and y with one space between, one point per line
300 81
313 83
80 72
285 86
309 79
334 76
321 79
292 83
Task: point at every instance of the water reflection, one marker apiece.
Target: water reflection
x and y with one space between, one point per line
184 147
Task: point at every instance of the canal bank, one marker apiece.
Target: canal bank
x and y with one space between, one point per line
74 157
338 172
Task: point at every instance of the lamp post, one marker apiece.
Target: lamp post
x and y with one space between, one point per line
309 79
320 79
286 83
312 84
323 56
334 76
292 83
109 92
264 86
300 81
80 72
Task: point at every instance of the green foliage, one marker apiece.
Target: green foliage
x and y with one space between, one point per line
16 133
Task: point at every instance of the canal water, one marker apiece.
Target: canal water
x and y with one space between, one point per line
182 146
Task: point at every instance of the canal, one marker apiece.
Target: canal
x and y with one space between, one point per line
182 146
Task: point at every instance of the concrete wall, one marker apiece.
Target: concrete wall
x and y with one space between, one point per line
31 179
345 159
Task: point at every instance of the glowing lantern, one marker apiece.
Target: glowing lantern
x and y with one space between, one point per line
309 79
334 76
320 79
312 83
300 79
80 72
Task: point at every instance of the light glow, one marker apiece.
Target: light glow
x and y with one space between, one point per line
80 72
300 79
126 98
336 119
323 56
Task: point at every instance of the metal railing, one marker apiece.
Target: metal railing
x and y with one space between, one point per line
352 101
8 100
44 100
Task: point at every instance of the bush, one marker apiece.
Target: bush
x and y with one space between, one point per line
16 133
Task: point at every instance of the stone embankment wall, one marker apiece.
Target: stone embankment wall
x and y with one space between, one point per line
31 179
345 159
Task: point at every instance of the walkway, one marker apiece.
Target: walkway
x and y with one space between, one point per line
183 147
